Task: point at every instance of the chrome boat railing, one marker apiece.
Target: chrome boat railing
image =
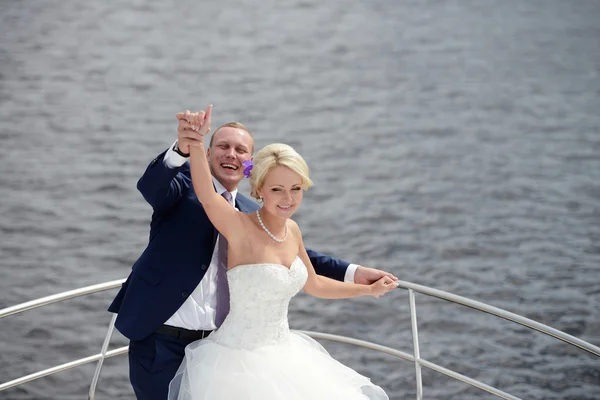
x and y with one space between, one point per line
415 357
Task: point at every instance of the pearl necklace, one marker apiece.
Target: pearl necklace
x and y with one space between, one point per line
268 231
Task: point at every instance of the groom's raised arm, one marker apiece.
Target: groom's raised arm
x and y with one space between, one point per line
163 186
167 179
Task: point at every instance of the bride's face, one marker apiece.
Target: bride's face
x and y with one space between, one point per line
282 192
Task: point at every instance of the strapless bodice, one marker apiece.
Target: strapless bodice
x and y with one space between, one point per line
259 299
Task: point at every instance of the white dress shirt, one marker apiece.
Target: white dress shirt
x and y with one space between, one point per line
198 310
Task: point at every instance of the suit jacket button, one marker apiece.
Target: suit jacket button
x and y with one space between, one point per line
204 267
185 295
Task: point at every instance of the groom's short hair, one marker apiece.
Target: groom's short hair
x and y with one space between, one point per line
235 125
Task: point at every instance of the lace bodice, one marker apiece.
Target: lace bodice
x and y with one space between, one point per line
259 298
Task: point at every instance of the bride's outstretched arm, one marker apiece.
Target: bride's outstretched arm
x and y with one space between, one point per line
225 218
327 288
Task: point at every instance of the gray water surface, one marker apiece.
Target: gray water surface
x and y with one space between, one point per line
454 143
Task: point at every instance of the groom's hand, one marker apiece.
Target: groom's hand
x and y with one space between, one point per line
192 128
366 276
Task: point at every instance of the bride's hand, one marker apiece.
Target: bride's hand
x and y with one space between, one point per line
193 127
382 286
201 121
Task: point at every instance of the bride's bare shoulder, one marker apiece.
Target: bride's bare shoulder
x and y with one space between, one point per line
294 228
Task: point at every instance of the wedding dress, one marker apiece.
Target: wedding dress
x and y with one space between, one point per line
254 356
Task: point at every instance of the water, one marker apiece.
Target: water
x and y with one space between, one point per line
456 144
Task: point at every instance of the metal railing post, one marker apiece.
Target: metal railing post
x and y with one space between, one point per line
111 327
416 357
415 335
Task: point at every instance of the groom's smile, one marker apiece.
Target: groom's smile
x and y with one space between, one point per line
230 166
230 148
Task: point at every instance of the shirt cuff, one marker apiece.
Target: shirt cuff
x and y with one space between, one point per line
173 159
349 277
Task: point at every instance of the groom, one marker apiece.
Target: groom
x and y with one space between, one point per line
170 298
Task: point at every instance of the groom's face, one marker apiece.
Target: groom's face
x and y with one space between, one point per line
230 148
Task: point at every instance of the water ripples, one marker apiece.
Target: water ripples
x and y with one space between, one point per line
455 144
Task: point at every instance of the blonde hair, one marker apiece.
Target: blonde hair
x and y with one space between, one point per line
274 155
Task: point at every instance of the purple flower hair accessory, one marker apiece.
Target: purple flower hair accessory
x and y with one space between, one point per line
247 167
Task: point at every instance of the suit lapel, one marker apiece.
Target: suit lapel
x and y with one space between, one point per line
241 204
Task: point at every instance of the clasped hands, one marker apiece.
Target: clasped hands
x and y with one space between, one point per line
192 128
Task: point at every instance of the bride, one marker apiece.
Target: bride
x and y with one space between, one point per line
253 354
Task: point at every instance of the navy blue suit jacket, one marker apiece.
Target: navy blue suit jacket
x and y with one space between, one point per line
182 240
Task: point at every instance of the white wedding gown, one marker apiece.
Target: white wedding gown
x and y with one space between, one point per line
254 356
